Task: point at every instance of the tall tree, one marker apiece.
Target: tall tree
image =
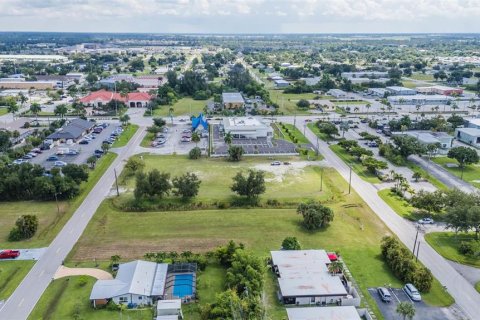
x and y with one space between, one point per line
251 185
186 186
464 155
406 310
35 109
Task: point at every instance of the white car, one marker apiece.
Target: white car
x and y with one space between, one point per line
19 161
60 164
426 221
275 163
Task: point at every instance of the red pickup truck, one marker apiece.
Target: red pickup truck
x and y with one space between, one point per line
9 254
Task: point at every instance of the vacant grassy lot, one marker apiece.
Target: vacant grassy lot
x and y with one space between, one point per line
288 101
422 76
447 243
126 135
11 274
357 167
355 233
297 182
184 106
471 173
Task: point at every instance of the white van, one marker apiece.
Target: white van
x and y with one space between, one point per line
412 292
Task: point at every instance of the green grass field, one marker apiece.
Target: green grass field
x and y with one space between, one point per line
312 126
290 184
357 167
126 135
447 243
410 84
398 204
288 101
422 76
471 173
11 274
3 111
477 286
184 106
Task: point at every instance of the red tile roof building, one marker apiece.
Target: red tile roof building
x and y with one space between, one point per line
132 100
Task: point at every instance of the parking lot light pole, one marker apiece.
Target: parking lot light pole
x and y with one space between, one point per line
321 179
418 249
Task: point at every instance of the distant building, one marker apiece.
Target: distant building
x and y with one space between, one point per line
469 136
132 100
73 130
311 81
233 100
169 310
419 99
441 90
401 91
337 93
247 128
428 137
32 57
61 82
323 313
16 83
378 92
281 83
473 123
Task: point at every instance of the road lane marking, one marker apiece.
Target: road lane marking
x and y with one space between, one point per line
58 250
41 273
21 302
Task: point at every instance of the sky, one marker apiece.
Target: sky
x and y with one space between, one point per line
242 16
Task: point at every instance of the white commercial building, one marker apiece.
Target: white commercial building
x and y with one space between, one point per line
469 136
337 93
401 91
323 313
304 279
32 57
420 99
247 128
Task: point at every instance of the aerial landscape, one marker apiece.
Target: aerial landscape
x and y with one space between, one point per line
239 160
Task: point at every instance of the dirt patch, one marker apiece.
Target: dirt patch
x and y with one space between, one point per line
282 171
96 273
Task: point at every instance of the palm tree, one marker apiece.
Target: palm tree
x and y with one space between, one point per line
195 138
105 147
368 106
91 161
61 110
355 109
124 119
22 99
335 267
35 109
12 107
406 310
228 138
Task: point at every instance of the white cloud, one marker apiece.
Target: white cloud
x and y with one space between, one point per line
396 15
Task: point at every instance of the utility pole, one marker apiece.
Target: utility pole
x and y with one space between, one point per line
116 181
418 249
318 151
56 200
321 179
415 243
350 181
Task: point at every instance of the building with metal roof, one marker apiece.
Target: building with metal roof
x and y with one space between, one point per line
443 139
401 91
137 283
73 130
304 278
247 128
169 310
469 136
232 100
323 313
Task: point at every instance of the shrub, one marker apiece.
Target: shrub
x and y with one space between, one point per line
82 281
195 153
466 248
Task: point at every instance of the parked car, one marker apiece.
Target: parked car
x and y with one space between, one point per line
36 150
275 163
27 156
52 158
33 154
98 151
98 130
72 153
412 292
384 294
426 221
373 144
83 142
60 164
9 254
19 161
107 141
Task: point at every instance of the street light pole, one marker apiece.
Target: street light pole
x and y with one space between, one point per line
116 181
350 181
415 243
56 200
321 179
418 249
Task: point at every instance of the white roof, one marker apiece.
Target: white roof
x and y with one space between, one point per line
312 285
136 277
474 132
293 262
232 97
399 88
167 317
242 123
475 122
169 304
323 313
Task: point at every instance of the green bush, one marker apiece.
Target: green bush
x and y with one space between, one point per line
466 248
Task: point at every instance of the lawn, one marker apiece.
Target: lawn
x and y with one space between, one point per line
66 295
398 204
355 233
3 111
147 140
410 84
437 183
312 126
184 106
471 173
50 221
290 184
288 101
477 286
294 132
422 76
126 135
446 244
356 166
11 274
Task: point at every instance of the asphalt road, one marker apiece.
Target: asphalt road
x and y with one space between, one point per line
23 300
464 293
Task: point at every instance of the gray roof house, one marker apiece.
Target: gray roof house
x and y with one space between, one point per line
137 282
428 137
74 130
233 100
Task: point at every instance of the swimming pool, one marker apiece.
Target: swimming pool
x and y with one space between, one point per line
183 285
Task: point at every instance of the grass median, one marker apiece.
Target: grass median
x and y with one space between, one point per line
471 173
126 135
356 166
447 244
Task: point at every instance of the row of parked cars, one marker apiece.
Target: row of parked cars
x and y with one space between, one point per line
160 138
409 289
92 136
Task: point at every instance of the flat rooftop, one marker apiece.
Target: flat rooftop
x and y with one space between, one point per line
242 122
232 97
470 131
323 313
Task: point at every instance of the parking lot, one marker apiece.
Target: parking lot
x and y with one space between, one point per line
174 141
423 311
84 150
28 254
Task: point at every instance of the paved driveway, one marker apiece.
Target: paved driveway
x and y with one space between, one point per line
29 254
423 311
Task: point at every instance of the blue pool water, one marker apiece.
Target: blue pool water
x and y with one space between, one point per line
183 285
